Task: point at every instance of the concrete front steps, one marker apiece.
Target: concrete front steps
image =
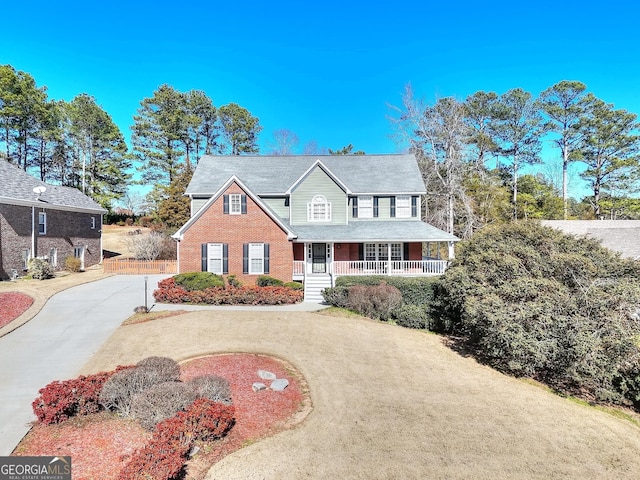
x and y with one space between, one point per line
313 285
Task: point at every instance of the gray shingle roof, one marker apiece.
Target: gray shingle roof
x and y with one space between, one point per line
622 236
373 231
374 174
16 187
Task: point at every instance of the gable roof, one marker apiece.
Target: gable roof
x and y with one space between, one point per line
275 175
233 179
17 189
321 166
622 236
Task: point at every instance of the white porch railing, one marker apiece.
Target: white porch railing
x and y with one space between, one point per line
298 268
398 268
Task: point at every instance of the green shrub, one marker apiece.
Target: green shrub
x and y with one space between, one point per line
294 285
412 316
532 301
336 296
233 281
192 281
267 281
414 290
72 264
40 269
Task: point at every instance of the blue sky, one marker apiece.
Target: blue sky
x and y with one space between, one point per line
324 70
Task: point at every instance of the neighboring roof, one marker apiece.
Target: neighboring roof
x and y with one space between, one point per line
16 188
273 175
233 179
373 231
622 236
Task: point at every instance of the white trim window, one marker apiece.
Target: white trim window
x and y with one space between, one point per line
380 252
319 210
365 206
53 257
403 206
235 204
256 258
42 223
26 256
215 254
93 223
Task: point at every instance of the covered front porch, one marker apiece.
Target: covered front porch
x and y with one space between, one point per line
370 258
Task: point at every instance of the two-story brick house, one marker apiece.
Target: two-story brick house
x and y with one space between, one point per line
42 220
309 218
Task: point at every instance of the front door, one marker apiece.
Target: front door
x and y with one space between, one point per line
319 258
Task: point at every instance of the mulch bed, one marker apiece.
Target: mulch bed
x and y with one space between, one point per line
101 444
12 305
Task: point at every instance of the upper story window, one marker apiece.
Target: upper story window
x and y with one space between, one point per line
93 223
403 206
365 206
42 223
319 210
234 204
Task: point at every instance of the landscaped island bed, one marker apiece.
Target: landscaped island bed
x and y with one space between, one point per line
102 444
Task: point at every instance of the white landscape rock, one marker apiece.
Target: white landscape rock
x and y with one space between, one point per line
257 386
266 375
279 384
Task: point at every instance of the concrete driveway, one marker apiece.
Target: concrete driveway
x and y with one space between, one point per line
64 335
58 341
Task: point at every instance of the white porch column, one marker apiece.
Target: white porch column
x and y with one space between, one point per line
388 259
452 253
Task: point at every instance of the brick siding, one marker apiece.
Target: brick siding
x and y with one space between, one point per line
65 230
235 230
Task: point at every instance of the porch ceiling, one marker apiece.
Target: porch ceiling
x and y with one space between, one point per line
373 231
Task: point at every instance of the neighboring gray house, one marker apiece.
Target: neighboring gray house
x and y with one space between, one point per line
622 236
309 218
42 220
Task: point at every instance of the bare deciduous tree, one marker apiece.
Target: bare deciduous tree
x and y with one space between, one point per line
438 136
146 246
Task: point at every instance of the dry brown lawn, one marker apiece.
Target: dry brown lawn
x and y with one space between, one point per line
391 403
116 238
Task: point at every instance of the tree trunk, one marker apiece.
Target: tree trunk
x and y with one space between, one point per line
565 167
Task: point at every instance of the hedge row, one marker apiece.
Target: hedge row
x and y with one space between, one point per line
169 292
407 301
414 290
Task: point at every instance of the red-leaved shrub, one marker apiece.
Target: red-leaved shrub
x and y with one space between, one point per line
63 399
164 456
169 292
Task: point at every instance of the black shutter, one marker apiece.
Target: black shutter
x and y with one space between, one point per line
225 258
203 249
405 251
354 207
245 258
414 206
375 207
266 258
225 204
361 251
393 207
243 204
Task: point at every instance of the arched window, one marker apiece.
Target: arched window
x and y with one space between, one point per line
318 209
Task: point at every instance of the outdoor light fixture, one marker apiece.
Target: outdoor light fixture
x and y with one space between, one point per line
146 279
